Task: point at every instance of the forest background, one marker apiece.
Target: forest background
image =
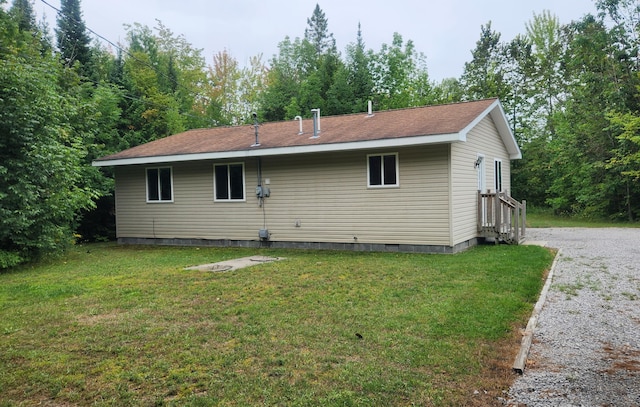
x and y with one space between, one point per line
69 96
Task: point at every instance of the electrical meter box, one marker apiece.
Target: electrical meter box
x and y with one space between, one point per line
262 191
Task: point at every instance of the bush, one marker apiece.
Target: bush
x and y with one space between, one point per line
9 259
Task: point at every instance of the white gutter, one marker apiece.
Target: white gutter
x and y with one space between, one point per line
321 148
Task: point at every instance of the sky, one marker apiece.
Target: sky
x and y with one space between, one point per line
444 31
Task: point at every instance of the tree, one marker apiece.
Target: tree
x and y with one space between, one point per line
583 181
484 76
253 82
284 78
182 74
359 80
547 84
352 85
40 153
166 81
225 77
519 77
626 160
22 12
317 33
74 43
399 75
625 15
449 90
625 120
302 74
233 92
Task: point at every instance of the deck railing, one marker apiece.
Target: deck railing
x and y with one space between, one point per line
501 217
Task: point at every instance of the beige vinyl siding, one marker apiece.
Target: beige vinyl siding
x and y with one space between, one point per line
326 195
484 140
192 214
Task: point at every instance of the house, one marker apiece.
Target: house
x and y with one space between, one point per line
399 180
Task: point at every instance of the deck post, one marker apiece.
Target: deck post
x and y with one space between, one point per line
480 215
501 217
497 220
516 222
524 218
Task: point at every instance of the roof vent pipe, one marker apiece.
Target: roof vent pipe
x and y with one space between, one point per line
369 109
316 122
255 125
299 118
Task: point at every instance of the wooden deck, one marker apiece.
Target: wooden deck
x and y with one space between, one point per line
501 217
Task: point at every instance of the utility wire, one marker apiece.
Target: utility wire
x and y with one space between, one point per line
125 51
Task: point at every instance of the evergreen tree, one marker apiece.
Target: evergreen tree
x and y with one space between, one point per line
317 33
360 80
291 71
73 40
22 12
484 75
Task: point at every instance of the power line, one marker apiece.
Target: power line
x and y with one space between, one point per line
125 51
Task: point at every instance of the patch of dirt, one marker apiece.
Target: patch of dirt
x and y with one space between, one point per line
497 374
622 358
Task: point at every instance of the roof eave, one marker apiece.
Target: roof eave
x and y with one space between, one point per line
264 152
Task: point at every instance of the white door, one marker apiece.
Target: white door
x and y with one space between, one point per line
482 174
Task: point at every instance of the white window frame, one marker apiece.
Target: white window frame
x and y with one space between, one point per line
215 186
397 170
146 183
497 174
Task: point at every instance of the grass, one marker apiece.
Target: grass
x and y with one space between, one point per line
544 218
113 325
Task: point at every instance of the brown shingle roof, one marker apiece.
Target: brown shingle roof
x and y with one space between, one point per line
383 125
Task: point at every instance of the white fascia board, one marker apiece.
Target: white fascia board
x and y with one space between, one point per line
502 124
500 119
321 148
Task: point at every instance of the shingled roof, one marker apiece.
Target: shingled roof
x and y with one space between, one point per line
393 128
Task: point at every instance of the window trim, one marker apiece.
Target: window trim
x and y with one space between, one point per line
497 174
146 183
397 171
244 183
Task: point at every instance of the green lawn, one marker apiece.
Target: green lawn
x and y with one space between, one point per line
116 325
544 218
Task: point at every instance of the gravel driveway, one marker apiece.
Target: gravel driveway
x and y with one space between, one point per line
586 348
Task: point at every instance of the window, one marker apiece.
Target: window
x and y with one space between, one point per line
383 170
159 185
497 175
229 182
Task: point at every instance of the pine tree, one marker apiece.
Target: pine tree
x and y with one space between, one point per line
318 34
359 74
